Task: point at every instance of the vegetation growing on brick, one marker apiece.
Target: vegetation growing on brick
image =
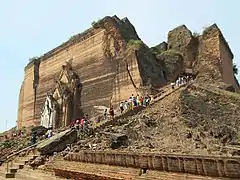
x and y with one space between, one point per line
96 24
136 44
235 69
33 58
171 52
196 34
7 144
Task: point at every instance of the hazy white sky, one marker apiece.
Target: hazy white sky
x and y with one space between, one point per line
30 28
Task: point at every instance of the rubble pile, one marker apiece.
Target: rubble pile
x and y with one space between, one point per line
184 122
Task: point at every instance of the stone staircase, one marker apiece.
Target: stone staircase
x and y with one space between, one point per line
165 91
9 169
19 169
37 174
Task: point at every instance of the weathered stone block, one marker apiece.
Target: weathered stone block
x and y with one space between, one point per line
130 160
109 158
58 142
99 157
117 140
190 165
89 157
118 159
164 163
232 169
220 165
173 164
200 169
160 48
210 167
82 156
144 161
173 63
150 161
157 163
181 39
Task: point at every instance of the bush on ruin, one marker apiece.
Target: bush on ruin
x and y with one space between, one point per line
135 43
235 69
33 58
196 34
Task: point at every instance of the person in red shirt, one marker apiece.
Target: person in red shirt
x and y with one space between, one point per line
82 122
72 123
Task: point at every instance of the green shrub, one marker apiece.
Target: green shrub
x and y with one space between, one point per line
70 38
7 144
171 52
93 23
235 69
135 43
33 58
196 34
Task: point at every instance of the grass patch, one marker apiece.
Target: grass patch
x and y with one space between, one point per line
171 52
33 58
196 34
136 44
71 38
235 69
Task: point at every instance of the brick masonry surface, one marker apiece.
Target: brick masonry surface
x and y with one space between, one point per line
214 166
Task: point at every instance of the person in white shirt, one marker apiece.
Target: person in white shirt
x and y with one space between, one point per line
121 107
172 85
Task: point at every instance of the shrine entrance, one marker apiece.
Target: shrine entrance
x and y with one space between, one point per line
62 104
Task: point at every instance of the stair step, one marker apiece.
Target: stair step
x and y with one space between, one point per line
9 175
34 175
20 166
31 156
26 161
13 169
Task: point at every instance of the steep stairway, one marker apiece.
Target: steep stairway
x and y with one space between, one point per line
10 168
19 169
165 91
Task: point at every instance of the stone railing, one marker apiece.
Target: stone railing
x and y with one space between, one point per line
215 166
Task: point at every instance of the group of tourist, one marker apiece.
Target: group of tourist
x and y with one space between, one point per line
180 81
81 124
134 101
130 104
19 133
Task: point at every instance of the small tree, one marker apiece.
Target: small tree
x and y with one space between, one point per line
33 58
235 69
71 37
196 34
93 23
96 24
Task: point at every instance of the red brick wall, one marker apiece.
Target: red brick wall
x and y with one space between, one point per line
227 65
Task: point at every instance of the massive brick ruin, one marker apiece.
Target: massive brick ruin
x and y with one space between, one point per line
112 62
